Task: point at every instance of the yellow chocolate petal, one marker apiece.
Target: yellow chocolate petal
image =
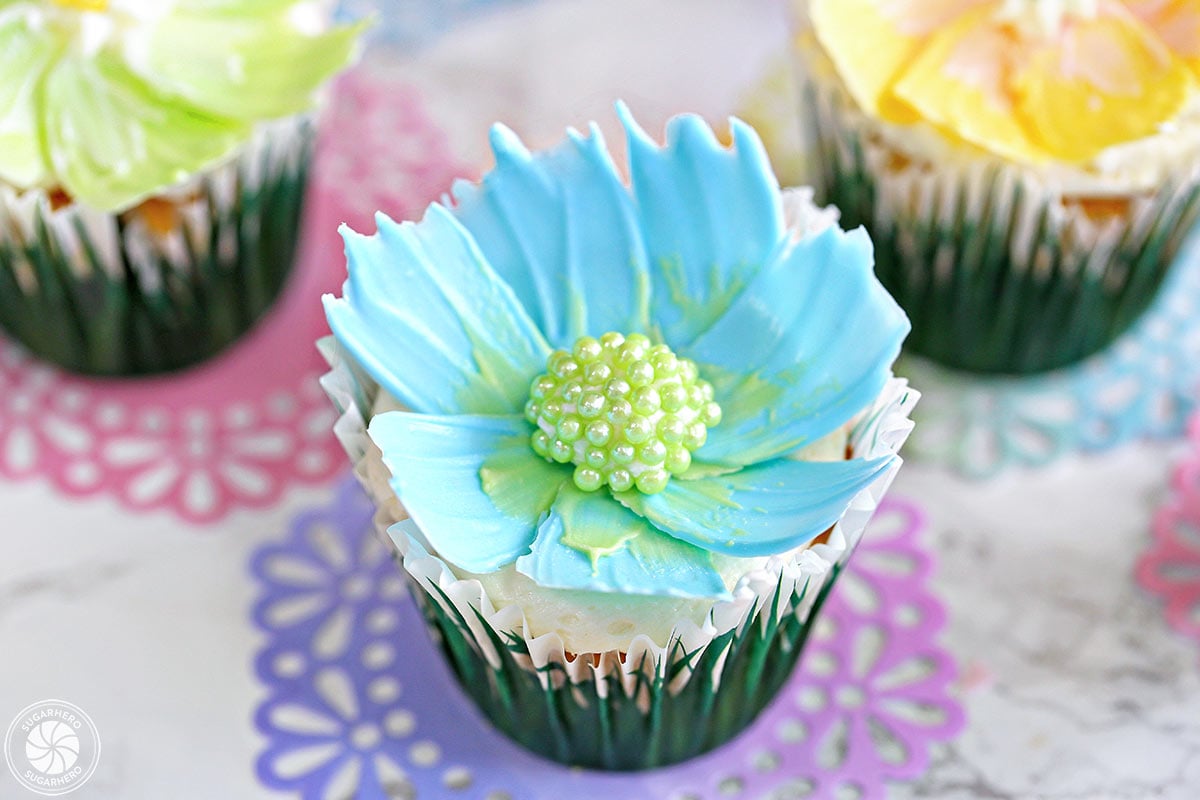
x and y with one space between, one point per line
1176 23
867 49
871 41
959 82
1108 81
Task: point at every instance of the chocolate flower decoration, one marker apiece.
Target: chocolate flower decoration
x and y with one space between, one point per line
113 100
608 382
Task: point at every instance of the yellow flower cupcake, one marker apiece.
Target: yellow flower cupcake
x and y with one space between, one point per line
1027 168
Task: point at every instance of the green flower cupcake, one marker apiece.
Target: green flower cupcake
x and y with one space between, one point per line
152 167
623 437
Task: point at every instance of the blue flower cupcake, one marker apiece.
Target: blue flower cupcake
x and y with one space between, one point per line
623 437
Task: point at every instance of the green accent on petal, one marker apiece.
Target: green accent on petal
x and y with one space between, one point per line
592 526
518 485
761 510
751 408
562 230
113 140
494 362
708 212
701 469
804 348
755 392
436 465
591 542
662 548
704 493
702 309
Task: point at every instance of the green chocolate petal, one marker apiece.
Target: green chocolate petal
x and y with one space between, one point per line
113 140
265 67
24 54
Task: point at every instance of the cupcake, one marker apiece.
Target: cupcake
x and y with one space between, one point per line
1027 170
152 166
623 437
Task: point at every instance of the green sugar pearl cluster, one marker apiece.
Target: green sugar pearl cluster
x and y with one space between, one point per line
627 413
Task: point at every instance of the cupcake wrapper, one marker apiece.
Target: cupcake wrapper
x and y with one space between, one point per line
104 293
996 271
647 710
646 705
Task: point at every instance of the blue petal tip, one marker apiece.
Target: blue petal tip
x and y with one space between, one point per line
506 145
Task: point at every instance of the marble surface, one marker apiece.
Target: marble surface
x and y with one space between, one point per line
1073 684
1075 687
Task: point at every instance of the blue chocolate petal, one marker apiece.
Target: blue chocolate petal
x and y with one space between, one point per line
711 217
429 319
560 228
589 541
471 483
762 510
809 344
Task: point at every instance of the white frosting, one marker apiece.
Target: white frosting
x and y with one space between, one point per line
1132 167
1045 16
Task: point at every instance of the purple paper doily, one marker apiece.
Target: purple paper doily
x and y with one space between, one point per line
360 705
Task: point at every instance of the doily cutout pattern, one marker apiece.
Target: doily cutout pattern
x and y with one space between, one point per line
237 430
1170 568
1141 387
360 705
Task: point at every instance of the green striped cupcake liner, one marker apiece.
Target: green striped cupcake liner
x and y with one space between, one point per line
629 720
997 274
104 294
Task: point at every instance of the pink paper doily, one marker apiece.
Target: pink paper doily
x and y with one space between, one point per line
1171 567
234 432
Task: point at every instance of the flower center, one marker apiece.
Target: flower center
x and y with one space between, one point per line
83 5
625 412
